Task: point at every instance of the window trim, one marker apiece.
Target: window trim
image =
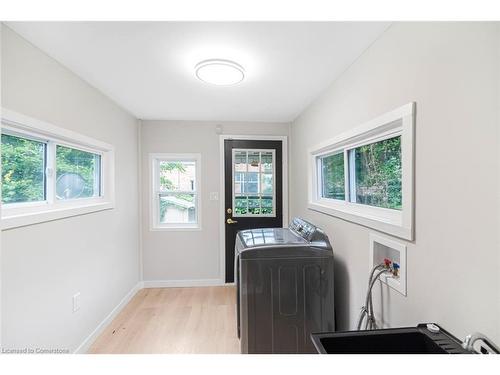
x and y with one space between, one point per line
399 223
154 220
28 213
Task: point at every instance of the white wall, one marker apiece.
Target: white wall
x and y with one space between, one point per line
96 254
452 71
1 29
181 257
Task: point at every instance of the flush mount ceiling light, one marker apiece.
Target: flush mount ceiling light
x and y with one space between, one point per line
219 72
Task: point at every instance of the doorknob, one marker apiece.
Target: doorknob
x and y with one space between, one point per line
231 221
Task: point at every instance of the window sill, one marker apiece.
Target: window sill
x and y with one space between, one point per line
57 213
383 220
190 228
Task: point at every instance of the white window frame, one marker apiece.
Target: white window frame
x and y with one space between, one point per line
154 161
399 223
21 214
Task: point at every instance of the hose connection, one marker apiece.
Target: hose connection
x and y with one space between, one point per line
395 269
387 263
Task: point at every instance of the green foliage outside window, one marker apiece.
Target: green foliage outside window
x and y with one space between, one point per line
376 180
85 165
23 164
23 170
165 167
378 174
333 176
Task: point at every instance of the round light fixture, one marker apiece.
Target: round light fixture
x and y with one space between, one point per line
220 72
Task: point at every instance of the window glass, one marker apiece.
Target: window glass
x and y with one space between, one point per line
253 161
23 170
177 208
177 196
177 175
267 205
253 190
377 170
333 179
252 183
240 161
266 161
267 183
241 205
77 173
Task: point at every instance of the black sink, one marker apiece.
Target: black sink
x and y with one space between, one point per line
411 340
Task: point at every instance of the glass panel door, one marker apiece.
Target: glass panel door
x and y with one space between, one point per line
254 183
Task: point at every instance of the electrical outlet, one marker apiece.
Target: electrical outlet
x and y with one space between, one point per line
76 302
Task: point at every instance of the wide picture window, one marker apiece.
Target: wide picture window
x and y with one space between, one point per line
175 182
366 175
49 173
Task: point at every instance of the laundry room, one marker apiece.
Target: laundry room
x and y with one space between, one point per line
250 187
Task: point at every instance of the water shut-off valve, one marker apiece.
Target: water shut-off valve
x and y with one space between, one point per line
393 267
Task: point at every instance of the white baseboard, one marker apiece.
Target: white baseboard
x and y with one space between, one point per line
181 283
85 345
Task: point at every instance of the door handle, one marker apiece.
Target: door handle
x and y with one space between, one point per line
231 221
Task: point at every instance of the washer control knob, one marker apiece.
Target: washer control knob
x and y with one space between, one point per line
433 328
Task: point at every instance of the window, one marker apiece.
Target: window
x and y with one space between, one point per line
332 172
366 175
49 173
253 192
375 174
77 174
23 170
175 183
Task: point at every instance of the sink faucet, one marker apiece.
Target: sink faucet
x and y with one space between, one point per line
470 340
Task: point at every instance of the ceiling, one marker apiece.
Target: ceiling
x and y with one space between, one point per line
148 67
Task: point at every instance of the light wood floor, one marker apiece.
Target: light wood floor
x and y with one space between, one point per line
174 320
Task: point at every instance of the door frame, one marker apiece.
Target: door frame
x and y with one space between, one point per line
222 191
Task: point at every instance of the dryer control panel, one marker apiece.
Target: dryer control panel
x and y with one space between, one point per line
302 228
310 232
